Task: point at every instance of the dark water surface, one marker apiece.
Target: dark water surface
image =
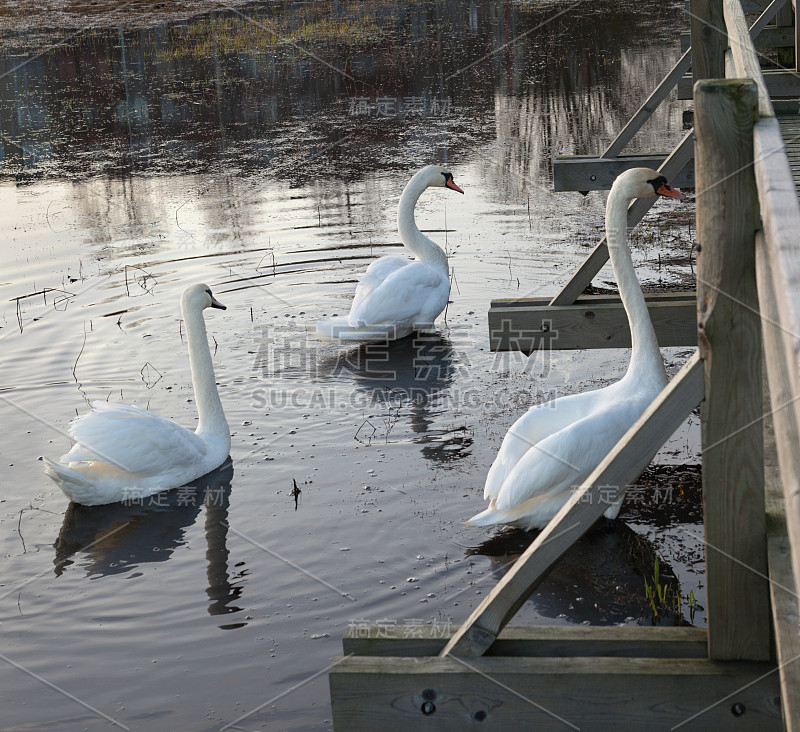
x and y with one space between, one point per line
263 152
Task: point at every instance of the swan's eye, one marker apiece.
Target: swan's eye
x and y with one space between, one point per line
208 292
447 177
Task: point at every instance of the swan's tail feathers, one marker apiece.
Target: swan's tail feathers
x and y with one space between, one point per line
340 329
75 485
534 514
490 517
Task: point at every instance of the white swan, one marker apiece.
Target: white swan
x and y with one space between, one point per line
552 448
123 452
396 296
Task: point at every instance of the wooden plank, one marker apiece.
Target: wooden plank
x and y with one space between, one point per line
786 620
783 590
729 337
785 17
590 173
745 59
749 6
586 300
535 324
658 95
709 40
780 216
778 84
621 466
781 440
539 641
501 694
780 37
599 256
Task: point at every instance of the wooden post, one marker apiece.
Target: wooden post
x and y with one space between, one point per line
709 40
785 18
729 338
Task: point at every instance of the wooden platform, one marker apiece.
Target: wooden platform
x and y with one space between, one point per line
621 678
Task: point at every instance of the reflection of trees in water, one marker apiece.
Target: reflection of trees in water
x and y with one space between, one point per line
116 538
177 99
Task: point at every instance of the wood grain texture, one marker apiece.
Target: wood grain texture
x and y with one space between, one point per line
599 324
709 41
779 37
782 471
778 84
729 337
537 641
590 173
619 469
745 60
502 694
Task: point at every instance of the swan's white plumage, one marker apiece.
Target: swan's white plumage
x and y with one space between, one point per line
396 296
551 450
124 452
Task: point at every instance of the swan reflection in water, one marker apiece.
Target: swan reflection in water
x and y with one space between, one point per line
409 378
117 537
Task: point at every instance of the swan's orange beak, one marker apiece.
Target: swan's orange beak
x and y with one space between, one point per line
217 304
669 192
451 184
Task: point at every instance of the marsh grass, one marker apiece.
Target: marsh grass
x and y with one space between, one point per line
664 598
357 26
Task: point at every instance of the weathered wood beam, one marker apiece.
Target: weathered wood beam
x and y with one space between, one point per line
729 337
783 591
780 37
589 173
709 40
494 693
594 321
620 468
745 61
778 84
778 267
634 641
749 6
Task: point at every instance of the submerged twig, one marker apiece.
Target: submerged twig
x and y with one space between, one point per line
75 376
19 531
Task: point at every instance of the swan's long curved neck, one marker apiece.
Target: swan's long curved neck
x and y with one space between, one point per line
646 356
423 248
209 407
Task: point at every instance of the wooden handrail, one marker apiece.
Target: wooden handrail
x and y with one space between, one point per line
745 59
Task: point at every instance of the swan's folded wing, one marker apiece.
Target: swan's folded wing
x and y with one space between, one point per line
562 461
376 273
400 297
132 439
535 425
